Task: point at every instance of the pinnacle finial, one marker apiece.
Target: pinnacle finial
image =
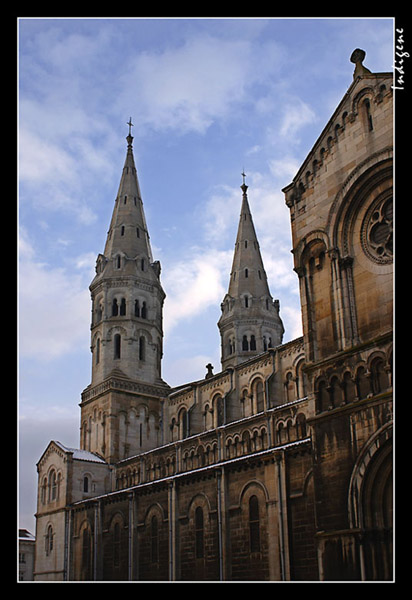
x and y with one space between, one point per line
130 124
357 57
244 186
129 138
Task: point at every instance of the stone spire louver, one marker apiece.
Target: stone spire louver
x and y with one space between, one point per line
250 321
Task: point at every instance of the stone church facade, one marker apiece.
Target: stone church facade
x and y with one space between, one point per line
279 467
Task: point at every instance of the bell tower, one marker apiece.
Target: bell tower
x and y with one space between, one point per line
121 407
250 321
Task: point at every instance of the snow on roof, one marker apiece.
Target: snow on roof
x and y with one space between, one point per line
26 535
82 454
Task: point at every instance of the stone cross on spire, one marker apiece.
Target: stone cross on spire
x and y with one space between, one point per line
130 124
244 186
130 137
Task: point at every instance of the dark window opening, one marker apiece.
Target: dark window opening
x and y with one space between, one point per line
199 533
117 345
254 525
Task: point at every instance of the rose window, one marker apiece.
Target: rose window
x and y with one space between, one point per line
377 231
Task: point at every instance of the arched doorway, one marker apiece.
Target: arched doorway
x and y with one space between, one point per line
371 506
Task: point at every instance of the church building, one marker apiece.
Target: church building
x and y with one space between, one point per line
279 466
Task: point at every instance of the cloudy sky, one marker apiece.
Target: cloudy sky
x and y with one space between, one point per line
208 98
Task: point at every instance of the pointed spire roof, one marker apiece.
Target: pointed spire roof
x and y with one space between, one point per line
128 232
250 322
248 274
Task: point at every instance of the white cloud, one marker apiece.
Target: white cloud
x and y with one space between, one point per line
296 114
42 160
54 308
221 213
189 368
187 88
284 168
292 321
195 284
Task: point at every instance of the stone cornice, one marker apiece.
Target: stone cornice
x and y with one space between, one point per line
123 385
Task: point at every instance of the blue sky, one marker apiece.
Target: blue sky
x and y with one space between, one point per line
208 98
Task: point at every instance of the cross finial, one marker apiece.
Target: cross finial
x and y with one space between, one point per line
130 124
244 186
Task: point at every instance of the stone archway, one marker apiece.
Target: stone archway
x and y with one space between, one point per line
371 506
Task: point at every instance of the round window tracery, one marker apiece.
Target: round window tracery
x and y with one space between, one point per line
377 231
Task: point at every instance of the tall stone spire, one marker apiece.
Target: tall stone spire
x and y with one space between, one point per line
120 409
128 233
126 292
250 321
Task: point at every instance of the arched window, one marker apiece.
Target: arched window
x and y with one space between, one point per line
136 308
123 307
144 311
301 425
362 383
142 348
115 308
199 533
49 540
52 486
154 539
246 272
336 392
368 114
290 387
379 377
245 343
349 389
116 545
323 397
246 445
99 312
260 396
282 433
254 524
142 265
122 230
117 345
252 342
290 431
219 408
183 423
86 484
300 380
244 400
97 351
246 302
86 555
44 491
118 263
